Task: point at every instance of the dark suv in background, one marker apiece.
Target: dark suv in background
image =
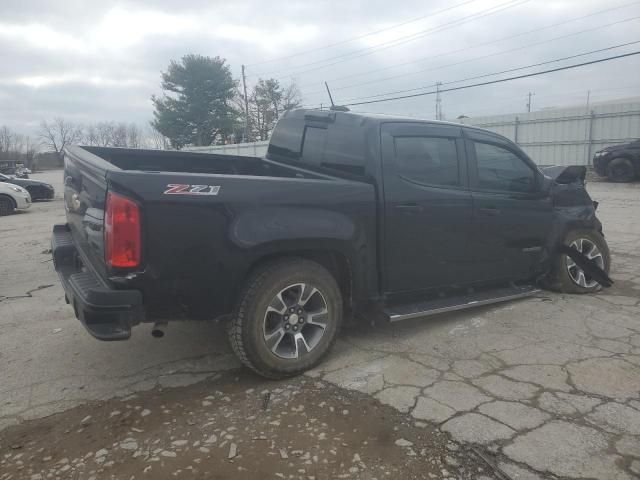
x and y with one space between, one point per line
37 190
619 163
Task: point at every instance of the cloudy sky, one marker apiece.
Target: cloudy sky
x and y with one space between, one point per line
89 61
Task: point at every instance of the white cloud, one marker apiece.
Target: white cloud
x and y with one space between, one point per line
40 81
266 38
101 60
40 36
121 28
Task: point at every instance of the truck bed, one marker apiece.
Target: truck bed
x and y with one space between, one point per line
206 219
192 162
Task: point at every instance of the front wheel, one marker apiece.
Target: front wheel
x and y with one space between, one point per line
289 314
568 277
6 206
620 170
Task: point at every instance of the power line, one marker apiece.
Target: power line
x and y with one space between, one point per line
359 37
399 41
396 65
403 40
568 67
489 109
501 72
481 57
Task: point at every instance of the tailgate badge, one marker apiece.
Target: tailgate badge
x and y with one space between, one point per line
181 189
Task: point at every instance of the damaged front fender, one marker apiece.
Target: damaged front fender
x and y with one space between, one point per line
566 175
573 209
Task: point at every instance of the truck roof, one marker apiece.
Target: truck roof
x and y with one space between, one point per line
379 118
345 134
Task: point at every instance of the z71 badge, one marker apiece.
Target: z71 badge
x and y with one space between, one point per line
180 189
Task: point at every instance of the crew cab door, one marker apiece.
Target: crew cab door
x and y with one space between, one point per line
427 206
512 215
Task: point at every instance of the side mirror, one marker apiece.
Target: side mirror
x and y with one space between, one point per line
544 185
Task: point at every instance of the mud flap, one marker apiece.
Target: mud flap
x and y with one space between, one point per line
587 265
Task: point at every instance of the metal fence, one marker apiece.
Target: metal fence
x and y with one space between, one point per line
568 136
254 149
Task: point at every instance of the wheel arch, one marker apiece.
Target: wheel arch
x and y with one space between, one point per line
334 260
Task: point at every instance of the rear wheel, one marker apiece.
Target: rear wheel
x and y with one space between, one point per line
620 170
6 206
288 317
570 278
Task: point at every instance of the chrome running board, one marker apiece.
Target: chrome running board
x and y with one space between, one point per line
459 302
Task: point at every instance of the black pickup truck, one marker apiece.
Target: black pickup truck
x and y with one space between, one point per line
355 214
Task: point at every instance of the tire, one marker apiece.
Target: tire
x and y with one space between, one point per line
620 170
6 206
258 318
563 277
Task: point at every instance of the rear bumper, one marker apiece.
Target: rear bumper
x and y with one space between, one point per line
107 314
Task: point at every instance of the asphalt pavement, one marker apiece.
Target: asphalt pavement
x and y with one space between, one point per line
546 387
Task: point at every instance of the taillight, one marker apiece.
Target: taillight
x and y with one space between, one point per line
122 240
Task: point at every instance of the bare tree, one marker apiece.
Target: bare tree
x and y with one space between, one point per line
111 134
119 135
29 152
291 97
267 101
134 136
17 147
105 133
58 134
155 139
6 141
90 135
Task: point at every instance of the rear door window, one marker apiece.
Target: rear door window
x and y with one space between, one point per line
314 145
428 160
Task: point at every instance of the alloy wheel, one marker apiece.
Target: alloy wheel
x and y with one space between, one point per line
592 252
295 321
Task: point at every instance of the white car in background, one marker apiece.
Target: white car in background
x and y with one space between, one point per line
13 197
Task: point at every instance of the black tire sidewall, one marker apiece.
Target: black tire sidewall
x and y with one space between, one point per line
254 306
6 207
616 162
565 283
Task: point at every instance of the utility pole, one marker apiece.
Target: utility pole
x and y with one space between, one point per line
530 94
588 98
438 102
246 107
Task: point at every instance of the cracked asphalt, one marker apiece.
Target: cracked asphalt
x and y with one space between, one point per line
547 387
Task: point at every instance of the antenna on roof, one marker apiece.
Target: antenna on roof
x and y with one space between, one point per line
329 92
334 107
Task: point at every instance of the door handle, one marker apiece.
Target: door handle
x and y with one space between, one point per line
409 207
489 211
